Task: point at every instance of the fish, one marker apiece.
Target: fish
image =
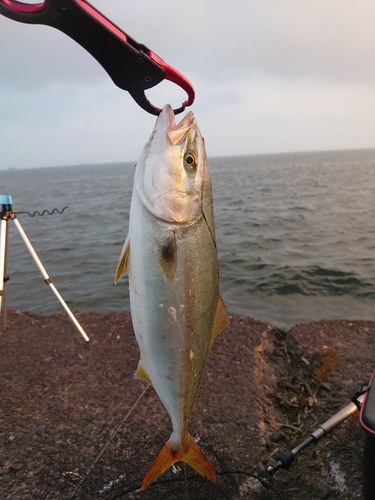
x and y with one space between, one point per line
170 255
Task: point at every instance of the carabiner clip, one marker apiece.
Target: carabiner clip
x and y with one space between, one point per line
132 66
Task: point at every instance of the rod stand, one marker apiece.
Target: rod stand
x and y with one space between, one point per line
6 214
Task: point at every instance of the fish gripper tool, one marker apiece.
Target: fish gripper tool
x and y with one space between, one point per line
131 65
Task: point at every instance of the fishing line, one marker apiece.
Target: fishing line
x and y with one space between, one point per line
186 482
268 484
109 441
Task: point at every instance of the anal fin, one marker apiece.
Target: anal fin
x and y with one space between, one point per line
141 374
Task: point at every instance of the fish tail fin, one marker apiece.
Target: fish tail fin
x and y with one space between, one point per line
161 463
195 457
189 453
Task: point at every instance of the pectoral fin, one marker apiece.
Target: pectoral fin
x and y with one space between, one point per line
221 320
124 260
168 256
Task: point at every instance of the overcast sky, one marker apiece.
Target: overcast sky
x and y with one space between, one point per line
270 76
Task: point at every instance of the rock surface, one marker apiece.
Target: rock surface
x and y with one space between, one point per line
71 413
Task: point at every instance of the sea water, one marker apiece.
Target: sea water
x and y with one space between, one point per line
295 235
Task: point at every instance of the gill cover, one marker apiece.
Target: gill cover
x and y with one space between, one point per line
170 173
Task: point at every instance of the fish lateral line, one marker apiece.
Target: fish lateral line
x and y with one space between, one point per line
210 229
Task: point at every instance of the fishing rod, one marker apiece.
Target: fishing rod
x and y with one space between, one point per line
285 459
362 401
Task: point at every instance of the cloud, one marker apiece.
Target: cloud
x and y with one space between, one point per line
278 38
33 56
70 125
216 38
273 115
269 76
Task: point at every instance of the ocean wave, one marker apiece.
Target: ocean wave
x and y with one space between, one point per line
295 233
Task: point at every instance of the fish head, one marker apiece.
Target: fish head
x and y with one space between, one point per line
173 170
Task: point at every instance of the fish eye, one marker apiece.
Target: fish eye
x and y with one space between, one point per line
190 161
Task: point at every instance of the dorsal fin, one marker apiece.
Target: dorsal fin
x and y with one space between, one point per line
124 260
221 320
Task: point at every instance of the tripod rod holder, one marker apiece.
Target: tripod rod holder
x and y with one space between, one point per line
6 213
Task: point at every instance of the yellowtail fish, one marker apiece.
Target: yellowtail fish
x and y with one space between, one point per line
171 257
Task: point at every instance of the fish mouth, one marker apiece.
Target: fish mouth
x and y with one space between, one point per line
176 132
